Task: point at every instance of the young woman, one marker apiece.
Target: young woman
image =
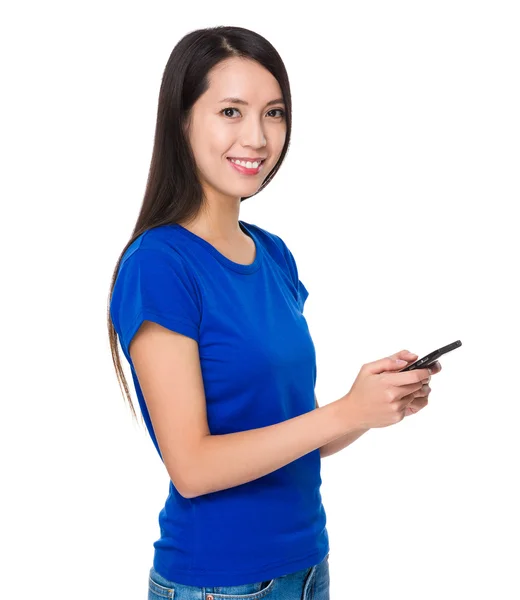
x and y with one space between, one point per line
208 312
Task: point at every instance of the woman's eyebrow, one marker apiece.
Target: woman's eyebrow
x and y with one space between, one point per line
239 101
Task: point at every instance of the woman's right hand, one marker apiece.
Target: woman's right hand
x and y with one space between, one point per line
379 397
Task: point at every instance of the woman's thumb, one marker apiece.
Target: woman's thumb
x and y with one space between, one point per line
387 364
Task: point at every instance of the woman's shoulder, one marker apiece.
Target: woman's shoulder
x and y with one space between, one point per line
161 239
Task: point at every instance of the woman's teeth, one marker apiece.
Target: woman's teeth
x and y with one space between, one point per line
248 164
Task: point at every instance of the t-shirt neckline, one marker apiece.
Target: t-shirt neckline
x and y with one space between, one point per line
224 260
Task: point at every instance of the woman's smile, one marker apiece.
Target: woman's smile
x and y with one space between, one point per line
246 170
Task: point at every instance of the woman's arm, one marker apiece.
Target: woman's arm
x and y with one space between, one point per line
341 442
224 461
168 367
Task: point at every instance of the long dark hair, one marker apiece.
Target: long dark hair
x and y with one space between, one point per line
173 191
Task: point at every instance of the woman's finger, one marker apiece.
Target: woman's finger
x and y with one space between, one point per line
424 391
435 367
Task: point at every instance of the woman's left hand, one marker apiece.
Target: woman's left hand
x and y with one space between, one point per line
419 399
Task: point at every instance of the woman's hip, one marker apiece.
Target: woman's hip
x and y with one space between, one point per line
307 584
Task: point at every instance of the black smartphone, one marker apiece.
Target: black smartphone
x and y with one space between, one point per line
429 359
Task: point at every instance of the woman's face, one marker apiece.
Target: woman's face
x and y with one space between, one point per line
220 129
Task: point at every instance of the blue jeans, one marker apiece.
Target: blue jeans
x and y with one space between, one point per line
307 584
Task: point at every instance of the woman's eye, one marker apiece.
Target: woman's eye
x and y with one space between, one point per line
273 110
229 108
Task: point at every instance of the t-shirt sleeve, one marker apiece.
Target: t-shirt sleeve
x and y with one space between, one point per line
293 268
154 285
303 292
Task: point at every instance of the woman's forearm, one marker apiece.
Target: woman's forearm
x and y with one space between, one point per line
341 442
228 460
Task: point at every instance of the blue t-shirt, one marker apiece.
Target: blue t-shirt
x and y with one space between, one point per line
258 364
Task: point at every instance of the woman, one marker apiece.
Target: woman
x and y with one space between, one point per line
208 312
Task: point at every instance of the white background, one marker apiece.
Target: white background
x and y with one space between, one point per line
398 200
